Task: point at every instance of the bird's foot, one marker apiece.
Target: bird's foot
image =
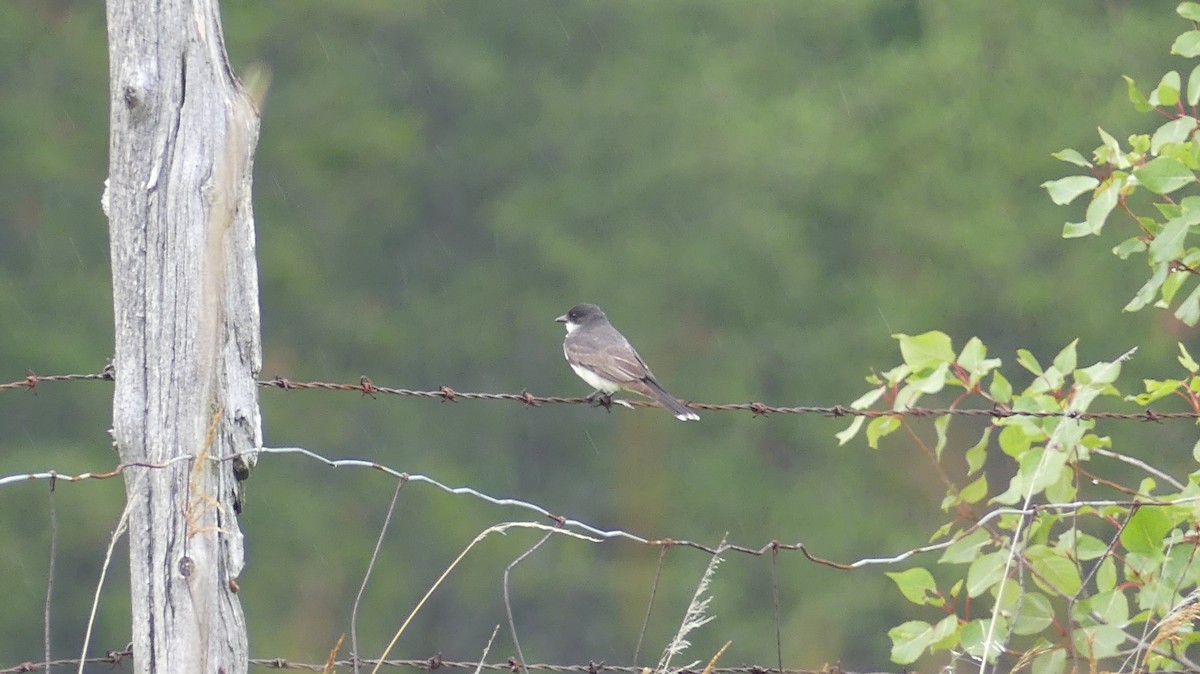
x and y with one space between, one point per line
599 398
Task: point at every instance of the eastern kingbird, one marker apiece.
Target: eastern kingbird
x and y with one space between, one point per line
603 358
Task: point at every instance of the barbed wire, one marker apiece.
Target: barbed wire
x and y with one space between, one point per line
368 388
773 546
31 380
119 657
365 387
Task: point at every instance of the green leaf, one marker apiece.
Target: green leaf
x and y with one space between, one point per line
917 586
1135 96
1145 531
1112 607
909 640
1073 157
1103 204
1065 190
1103 372
1062 490
851 430
985 572
880 427
1129 246
1077 230
974 492
1098 641
974 634
1112 148
1193 87
1185 359
1039 468
1106 575
927 381
1166 294
939 426
1066 359
1035 614
867 399
973 358
945 634
1000 390
1168 244
1189 309
967 548
1014 441
977 454
926 350
1027 361
1167 91
1051 662
1163 175
1189 10
1175 131
1054 572
1149 289
1086 547
1156 390
1187 44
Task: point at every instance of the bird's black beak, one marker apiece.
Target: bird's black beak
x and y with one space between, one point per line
561 319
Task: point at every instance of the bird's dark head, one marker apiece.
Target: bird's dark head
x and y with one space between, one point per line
580 314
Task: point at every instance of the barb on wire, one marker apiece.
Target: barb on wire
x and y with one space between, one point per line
367 388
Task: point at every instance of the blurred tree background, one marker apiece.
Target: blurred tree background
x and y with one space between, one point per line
759 194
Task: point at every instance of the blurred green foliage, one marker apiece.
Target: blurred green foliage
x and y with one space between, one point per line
757 193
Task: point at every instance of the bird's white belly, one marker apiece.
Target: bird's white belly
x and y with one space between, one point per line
594 380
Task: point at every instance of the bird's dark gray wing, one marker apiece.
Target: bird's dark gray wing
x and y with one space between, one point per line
606 352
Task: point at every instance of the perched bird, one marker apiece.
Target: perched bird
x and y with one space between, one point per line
603 358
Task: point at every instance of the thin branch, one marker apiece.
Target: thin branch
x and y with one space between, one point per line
1133 461
512 625
497 529
650 604
112 543
387 519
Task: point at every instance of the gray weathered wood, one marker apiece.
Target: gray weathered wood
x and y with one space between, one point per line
185 292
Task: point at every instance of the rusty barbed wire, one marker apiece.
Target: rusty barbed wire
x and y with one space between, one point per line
512 665
31 380
113 658
368 388
118 657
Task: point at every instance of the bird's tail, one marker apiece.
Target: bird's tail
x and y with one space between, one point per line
669 401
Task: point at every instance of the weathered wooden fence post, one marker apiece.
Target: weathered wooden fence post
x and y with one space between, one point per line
185 291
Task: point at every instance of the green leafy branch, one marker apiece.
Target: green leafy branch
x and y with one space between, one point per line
1164 164
1044 586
